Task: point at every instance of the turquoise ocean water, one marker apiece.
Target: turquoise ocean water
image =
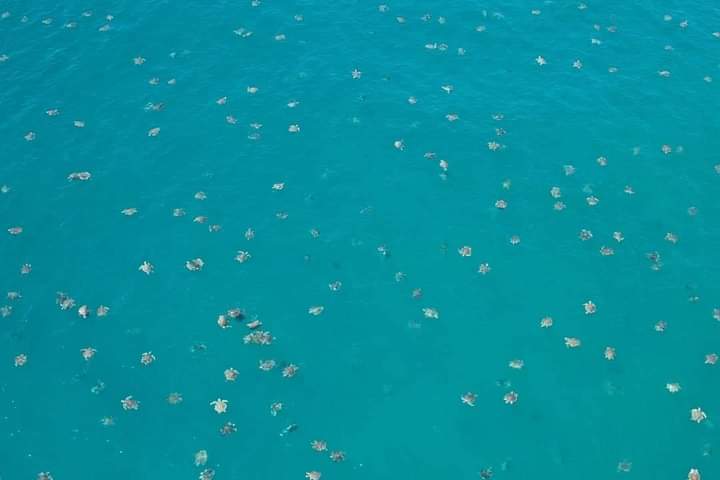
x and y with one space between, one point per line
495 93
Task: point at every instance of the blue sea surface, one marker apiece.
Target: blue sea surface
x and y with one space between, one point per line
615 103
